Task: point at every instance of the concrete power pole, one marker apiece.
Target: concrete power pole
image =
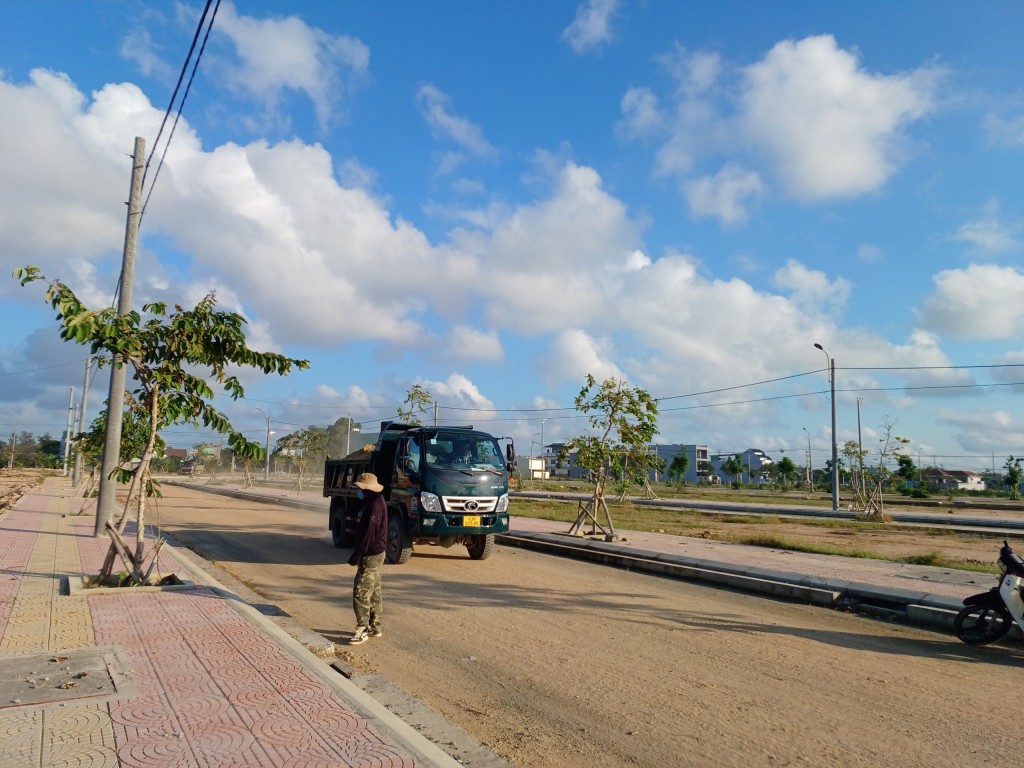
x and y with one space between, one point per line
67 430
115 396
76 476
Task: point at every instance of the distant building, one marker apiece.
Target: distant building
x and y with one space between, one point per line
953 479
698 470
756 467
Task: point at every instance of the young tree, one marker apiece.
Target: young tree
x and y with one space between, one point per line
733 466
172 357
786 471
855 456
1013 476
624 420
418 402
889 447
677 469
906 470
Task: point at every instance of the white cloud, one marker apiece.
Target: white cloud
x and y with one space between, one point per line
811 289
458 391
278 55
467 343
641 114
987 233
138 46
981 301
574 353
831 128
436 106
592 26
724 195
1007 132
869 253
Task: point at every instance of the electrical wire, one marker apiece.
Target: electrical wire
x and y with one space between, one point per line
181 106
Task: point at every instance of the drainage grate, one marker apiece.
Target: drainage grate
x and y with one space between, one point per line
63 676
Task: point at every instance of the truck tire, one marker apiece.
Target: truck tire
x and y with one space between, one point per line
339 537
399 545
481 546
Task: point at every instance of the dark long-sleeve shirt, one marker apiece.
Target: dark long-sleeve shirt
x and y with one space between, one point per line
372 531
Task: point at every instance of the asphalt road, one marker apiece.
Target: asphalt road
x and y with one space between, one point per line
554 662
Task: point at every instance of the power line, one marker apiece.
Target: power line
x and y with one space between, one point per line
184 97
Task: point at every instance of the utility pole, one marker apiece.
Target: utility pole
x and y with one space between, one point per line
266 466
67 430
10 459
860 452
76 476
115 396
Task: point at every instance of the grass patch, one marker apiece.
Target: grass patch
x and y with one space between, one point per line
777 542
939 560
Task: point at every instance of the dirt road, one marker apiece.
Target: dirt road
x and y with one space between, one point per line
552 662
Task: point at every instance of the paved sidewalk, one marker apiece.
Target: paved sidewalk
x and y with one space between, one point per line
153 677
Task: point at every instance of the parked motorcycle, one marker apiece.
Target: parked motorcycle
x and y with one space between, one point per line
989 616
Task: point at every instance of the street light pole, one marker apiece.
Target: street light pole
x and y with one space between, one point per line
266 465
835 451
543 456
810 465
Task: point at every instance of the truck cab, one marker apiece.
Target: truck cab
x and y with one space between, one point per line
443 486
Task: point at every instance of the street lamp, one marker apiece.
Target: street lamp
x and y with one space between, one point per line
357 428
543 458
266 466
810 464
835 452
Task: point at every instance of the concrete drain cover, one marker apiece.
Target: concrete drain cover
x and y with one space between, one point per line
63 676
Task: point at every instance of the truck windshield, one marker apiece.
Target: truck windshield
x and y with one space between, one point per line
448 451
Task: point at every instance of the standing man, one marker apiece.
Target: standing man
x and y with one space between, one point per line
368 556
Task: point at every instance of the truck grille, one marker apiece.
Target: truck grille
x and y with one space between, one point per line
471 505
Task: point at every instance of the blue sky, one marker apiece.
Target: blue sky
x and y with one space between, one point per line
493 200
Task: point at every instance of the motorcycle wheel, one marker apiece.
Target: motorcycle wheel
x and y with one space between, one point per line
982 624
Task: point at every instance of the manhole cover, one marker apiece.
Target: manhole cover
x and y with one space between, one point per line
61 676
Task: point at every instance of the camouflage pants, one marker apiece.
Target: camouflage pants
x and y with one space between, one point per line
366 600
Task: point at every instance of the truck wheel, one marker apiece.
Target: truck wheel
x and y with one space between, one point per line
339 537
399 547
480 547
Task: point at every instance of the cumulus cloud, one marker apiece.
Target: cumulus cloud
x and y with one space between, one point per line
808 118
981 301
641 114
467 343
724 195
276 56
592 26
574 353
831 127
811 289
458 391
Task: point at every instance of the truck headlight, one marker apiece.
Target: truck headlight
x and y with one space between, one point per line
429 502
502 504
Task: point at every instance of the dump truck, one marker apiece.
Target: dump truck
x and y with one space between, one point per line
444 486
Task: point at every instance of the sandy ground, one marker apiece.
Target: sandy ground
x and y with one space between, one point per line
553 662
